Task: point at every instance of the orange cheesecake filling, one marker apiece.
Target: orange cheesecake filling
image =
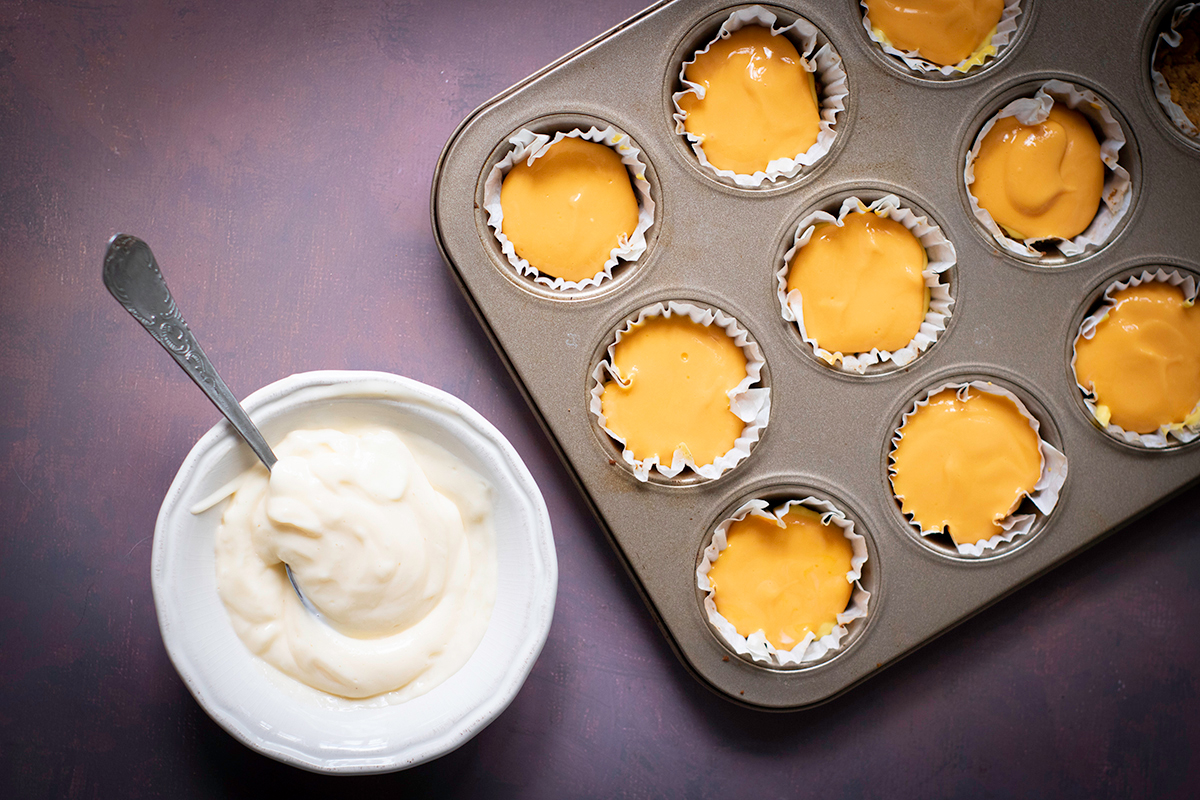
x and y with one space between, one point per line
861 284
676 376
946 32
1040 181
962 466
1143 362
759 103
786 581
565 212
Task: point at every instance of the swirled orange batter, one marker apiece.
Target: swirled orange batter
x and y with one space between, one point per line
964 465
565 212
861 284
1040 181
759 104
945 32
784 581
678 376
1143 362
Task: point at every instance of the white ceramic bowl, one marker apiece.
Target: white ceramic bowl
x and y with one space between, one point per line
285 720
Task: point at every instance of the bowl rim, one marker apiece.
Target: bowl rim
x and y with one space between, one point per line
543 593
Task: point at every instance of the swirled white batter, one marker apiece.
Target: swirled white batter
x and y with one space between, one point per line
390 539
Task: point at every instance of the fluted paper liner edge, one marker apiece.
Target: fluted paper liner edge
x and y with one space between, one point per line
1045 491
529 146
1187 430
1115 196
810 648
1001 36
1162 90
825 62
941 257
751 405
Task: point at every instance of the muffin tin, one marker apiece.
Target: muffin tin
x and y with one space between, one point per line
829 434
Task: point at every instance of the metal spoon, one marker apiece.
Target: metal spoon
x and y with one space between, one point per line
131 275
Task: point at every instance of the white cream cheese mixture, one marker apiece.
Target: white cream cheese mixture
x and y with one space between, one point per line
389 537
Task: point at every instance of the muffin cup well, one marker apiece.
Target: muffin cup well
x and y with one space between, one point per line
1183 432
751 405
941 258
810 649
529 146
1116 196
1162 90
1045 491
822 60
1005 31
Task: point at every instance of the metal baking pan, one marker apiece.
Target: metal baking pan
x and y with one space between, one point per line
829 433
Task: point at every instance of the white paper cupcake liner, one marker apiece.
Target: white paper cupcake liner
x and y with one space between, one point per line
1045 491
825 62
751 405
1162 90
1185 431
529 146
941 258
809 649
1116 195
1005 29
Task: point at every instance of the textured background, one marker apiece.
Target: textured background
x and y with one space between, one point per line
278 157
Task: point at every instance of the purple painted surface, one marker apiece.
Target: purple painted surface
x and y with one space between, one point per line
278 157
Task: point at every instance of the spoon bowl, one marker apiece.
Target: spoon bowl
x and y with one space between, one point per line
287 720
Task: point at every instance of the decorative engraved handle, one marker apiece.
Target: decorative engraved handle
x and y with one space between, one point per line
131 275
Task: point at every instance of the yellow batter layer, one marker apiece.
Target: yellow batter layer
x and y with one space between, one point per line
566 212
945 32
784 581
1040 181
964 465
759 103
1143 363
679 374
861 284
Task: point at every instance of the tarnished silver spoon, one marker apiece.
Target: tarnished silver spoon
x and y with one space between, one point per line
132 276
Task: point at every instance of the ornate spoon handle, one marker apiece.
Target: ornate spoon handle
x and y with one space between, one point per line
131 275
